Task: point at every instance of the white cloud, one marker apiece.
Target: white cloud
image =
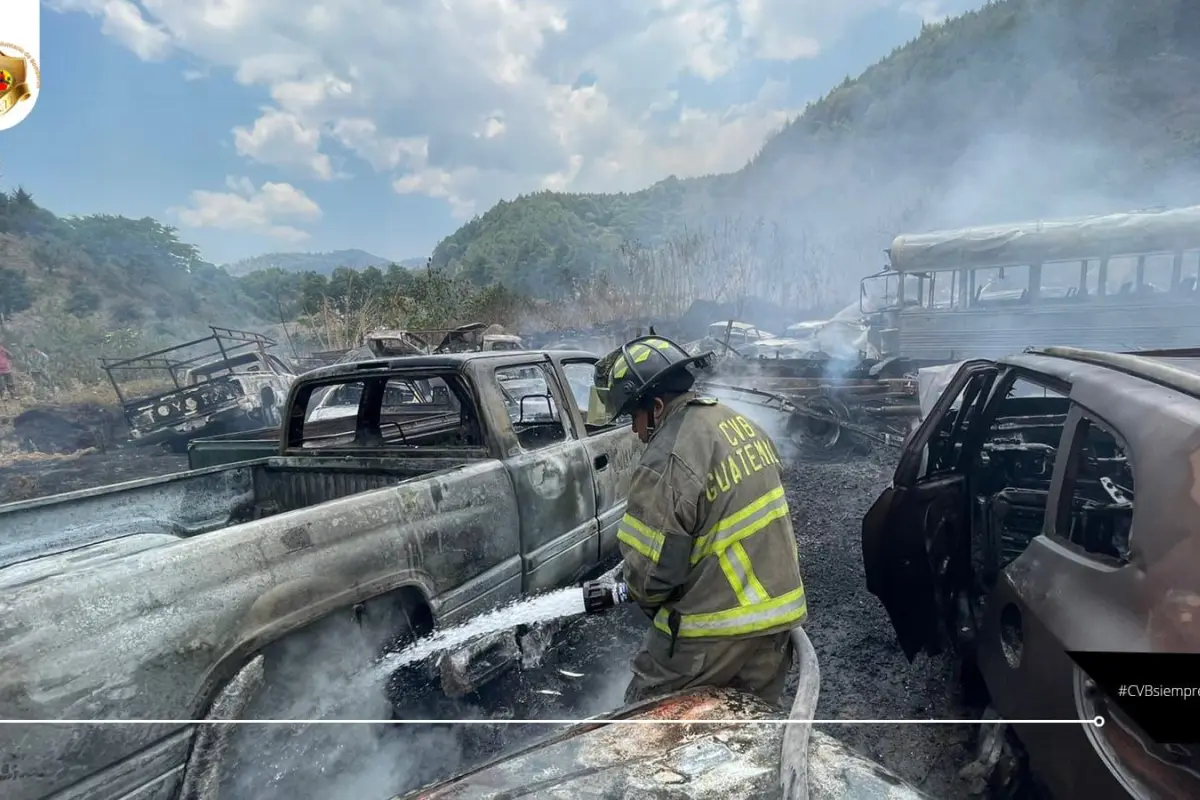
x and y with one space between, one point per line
473 100
266 210
283 139
123 20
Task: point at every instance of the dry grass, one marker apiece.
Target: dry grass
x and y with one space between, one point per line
12 456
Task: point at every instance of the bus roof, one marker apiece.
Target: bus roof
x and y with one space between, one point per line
1132 233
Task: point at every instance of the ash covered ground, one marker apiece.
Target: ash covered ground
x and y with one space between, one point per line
51 450
864 675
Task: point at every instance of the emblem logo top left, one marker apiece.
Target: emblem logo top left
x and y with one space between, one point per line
20 73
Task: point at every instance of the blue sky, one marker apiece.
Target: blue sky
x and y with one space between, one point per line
267 125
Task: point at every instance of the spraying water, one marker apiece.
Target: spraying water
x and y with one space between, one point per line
539 608
568 602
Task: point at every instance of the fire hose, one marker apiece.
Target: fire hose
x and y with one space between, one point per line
605 592
599 596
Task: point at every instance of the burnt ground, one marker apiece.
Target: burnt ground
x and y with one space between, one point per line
55 449
864 675
25 479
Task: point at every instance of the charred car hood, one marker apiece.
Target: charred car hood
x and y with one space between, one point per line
734 759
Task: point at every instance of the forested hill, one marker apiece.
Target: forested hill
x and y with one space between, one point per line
320 263
1022 109
125 273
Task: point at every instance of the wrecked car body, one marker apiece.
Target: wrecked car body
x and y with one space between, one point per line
392 343
1006 538
224 381
829 381
737 333
167 592
831 405
726 757
478 336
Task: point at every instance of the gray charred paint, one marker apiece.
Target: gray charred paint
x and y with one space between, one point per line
140 601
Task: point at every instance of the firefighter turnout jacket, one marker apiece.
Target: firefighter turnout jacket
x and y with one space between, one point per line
707 538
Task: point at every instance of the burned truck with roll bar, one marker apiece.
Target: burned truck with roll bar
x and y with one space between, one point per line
226 381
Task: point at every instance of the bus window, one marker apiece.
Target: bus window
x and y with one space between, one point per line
1092 285
881 291
1189 276
1060 281
1156 272
941 290
1122 275
1002 286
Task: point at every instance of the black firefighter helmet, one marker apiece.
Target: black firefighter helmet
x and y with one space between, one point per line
642 369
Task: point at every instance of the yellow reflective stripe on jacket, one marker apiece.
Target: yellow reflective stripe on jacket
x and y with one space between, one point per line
641 537
742 523
785 610
735 563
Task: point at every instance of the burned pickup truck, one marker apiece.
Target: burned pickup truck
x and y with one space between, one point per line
165 598
225 381
1048 504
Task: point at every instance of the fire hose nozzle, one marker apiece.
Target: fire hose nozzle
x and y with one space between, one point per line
601 596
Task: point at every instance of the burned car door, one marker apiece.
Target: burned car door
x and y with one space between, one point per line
552 474
926 510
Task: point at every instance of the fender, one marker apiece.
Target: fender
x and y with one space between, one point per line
312 599
201 776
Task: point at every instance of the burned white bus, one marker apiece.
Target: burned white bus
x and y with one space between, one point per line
1112 282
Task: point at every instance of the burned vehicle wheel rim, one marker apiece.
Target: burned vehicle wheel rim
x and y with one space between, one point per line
815 433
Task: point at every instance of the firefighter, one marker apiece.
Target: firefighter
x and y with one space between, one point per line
710 555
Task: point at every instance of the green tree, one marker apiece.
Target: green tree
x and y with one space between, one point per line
82 300
15 292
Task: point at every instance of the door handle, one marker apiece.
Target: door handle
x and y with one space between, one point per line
600 462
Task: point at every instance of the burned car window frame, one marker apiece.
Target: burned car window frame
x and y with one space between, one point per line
1077 430
369 418
530 433
584 404
913 465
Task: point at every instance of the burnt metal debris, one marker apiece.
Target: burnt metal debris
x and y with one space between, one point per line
221 382
830 404
721 758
